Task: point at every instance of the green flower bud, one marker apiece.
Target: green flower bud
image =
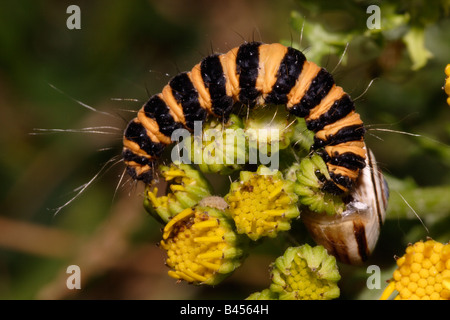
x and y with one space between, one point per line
302 138
305 273
265 294
309 176
222 148
269 129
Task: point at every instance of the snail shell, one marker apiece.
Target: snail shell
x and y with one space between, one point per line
351 237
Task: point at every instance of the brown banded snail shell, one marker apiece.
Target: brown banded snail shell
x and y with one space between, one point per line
351 237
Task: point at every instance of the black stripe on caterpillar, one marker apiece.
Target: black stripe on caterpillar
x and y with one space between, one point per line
252 74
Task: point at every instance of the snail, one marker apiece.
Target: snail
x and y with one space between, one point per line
351 236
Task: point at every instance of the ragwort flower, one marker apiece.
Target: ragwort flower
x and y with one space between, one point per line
262 203
201 246
305 273
423 273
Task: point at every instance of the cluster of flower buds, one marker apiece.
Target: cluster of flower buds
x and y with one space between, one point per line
206 237
302 273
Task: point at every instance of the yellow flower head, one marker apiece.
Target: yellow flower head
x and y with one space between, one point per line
201 246
262 203
186 188
423 273
447 83
305 273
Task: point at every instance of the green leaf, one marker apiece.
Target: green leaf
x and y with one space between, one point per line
415 43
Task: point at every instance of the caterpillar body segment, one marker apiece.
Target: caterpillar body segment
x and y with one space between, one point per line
252 74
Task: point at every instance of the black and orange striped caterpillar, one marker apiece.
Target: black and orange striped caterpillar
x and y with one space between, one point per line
252 74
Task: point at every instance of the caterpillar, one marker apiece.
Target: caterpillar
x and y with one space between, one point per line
253 74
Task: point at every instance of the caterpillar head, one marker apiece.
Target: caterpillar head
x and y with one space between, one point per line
140 151
138 167
351 236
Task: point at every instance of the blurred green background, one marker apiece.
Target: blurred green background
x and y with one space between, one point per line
126 51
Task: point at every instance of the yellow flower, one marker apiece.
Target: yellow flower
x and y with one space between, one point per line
262 203
423 273
186 187
305 273
447 83
201 246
